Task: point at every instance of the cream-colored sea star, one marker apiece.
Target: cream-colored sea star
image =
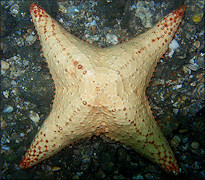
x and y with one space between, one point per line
102 90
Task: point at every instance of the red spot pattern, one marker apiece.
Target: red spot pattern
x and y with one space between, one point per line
167 23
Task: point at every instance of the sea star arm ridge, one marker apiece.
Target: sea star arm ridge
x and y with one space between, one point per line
138 129
61 49
138 57
64 126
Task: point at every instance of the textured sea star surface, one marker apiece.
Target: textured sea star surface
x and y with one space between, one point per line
102 90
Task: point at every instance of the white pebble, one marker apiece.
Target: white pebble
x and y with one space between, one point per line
14 10
172 47
6 93
93 23
22 134
111 39
76 10
175 111
30 39
34 117
13 83
179 86
4 65
8 109
6 148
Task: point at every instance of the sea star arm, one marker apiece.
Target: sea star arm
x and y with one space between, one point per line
68 57
136 127
68 122
136 59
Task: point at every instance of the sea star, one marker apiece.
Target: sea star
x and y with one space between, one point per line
102 90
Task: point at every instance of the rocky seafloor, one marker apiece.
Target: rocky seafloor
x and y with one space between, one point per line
176 92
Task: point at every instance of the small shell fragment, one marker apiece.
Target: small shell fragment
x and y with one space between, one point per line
56 168
193 67
30 39
14 10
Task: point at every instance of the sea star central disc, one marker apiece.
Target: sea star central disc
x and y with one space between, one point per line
102 90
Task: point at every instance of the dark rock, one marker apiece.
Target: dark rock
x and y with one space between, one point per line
36 87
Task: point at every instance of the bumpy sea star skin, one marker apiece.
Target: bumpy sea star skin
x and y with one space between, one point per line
102 90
